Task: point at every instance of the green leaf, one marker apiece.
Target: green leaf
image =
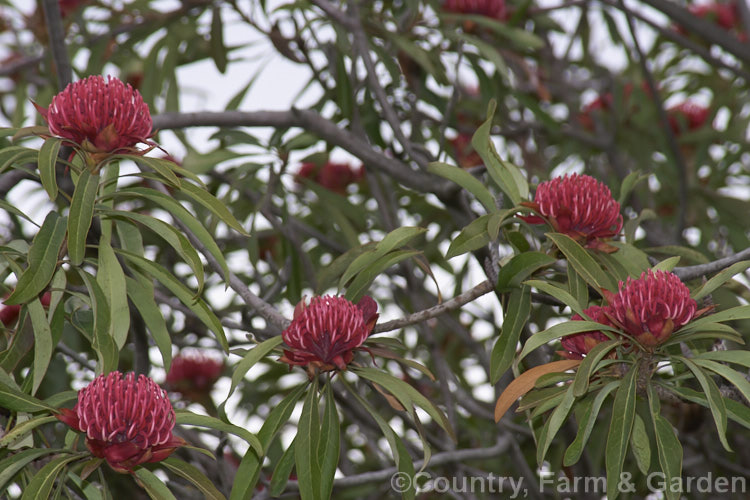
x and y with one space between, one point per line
584 264
473 236
362 282
18 155
668 446
154 486
720 278
171 235
557 292
506 175
22 429
667 264
641 445
553 425
560 330
735 378
735 410
15 400
329 444
250 466
516 314
218 50
47 162
732 314
40 486
400 455
10 466
406 394
574 451
466 181
739 357
395 239
250 359
111 278
282 471
164 168
715 400
306 447
81 214
103 343
172 206
142 295
188 418
42 260
579 289
198 306
621 425
520 267
43 342
589 365
195 476
209 201
628 183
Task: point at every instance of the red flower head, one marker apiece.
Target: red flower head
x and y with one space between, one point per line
687 116
579 344
490 8
579 206
324 334
193 373
332 176
127 421
102 117
653 306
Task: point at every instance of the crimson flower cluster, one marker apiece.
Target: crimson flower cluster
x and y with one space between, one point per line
128 421
324 334
648 310
193 374
332 176
101 117
495 9
580 207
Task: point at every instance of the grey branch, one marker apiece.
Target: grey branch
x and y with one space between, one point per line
320 126
691 272
454 303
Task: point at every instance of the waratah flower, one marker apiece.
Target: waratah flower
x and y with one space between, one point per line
193 373
324 334
579 344
127 421
101 117
491 8
652 307
579 206
687 116
332 176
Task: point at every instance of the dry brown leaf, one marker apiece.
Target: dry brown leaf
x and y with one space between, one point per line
525 382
